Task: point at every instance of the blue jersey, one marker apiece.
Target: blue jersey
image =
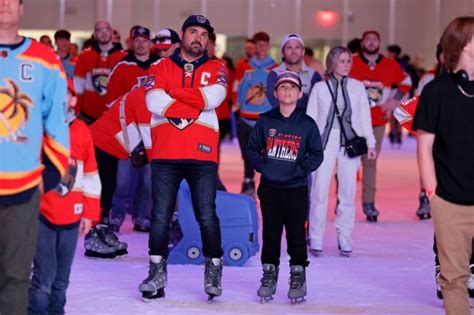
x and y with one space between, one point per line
33 128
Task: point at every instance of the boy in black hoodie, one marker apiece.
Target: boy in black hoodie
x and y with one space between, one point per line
285 147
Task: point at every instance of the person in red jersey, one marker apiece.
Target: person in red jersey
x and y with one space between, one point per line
386 85
92 72
188 87
65 212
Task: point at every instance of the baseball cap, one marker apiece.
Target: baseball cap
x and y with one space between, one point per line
165 38
261 36
288 76
197 20
141 32
290 37
370 32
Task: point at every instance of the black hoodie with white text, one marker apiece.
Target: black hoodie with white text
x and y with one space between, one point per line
285 150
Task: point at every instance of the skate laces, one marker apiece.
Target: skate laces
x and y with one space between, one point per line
268 278
296 279
213 273
156 271
470 282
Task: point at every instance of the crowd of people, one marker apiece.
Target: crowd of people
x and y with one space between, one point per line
86 138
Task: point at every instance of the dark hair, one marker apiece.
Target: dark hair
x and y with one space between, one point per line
212 37
261 36
308 52
455 37
250 40
229 62
394 49
44 36
62 34
354 45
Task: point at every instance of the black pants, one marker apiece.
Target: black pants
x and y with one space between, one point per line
243 134
18 234
107 165
284 207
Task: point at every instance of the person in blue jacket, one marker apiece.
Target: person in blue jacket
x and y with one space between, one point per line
285 147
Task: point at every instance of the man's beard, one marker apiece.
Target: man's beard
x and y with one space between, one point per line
370 51
294 60
194 50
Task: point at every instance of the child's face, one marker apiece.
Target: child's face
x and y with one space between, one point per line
287 93
71 100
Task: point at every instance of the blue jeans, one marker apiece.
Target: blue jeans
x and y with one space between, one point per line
52 265
166 178
133 190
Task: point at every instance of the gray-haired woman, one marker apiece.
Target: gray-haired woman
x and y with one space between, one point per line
346 96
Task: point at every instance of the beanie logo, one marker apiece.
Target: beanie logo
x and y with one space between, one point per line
201 19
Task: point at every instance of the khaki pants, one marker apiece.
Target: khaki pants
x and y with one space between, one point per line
369 168
454 230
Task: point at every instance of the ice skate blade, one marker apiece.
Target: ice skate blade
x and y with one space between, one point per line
265 299
315 252
372 219
345 254
153 296
295 301
425 216
95 255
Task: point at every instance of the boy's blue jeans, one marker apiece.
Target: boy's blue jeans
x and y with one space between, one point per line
52 265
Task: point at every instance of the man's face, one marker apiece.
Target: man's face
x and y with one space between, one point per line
63 44
249 49
261 48
10 13
103 32
293 52
141 46
195 40
287 93
370 44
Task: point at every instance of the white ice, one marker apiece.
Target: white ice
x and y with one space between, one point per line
391 270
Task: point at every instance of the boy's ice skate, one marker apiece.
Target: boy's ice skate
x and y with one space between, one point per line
212 279
268 283
297 282
153 287
370 212
423 211
108 236
345 246
96 248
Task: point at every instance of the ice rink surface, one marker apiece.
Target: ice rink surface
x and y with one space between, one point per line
391 270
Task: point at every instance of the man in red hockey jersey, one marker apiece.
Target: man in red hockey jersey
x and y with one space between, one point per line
188 87
92 72
380 75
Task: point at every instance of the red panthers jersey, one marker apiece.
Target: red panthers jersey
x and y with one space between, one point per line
183 99
379 80
108 131
91 77
78 193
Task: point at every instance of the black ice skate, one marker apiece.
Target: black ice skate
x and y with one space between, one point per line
423 211
108 236
153 287
96 248
370 212
268 283
297 291
212 279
